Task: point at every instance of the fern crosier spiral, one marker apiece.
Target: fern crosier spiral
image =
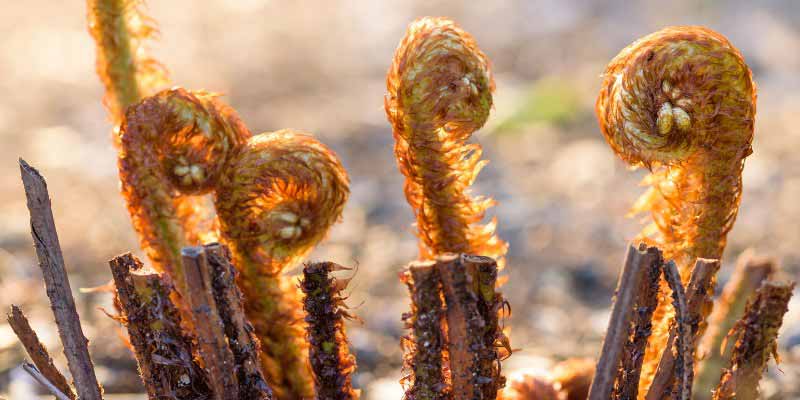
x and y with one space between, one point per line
279 196
439 93
173 144
681 102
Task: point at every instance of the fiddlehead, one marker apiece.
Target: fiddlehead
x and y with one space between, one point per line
277 198
129 74
681 102
173 144
439 93
120 29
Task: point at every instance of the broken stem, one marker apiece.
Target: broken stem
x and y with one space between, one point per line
755 335
637 262
211 341
468 283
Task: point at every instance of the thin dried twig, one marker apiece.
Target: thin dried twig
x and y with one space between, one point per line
211 340
755 335
425 350
51 387
242 340
51 261
331 361
163 350
637 262
473 332
37 352
751 271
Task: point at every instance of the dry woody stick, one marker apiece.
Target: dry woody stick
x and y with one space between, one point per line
627 379
425 349
39 377
681 388
751 271
51 262
162 349
755 336
637 262
698 300
330 357
473 331
37 352
241 336
211 340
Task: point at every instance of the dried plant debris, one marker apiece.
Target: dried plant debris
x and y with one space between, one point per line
636 272
54 273
37 352
751 271
698 301
425 348
473 330
241 337
162 348
681 328
627 379
330 357
755 341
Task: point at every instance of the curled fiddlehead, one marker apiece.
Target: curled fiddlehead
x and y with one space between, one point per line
277 198
173 144
439 93
681 102
120 30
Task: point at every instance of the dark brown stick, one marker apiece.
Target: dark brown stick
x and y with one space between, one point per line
212 343
637 262
751 271
242 341
330 357
163 350
51 261
37 352
425 350
681 388
468 284
51 387
627 379
698 302
755 336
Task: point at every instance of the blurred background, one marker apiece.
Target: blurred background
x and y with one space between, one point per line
320 66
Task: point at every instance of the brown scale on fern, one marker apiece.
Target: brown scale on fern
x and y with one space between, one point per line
277 198
681 102
174 144
439 93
